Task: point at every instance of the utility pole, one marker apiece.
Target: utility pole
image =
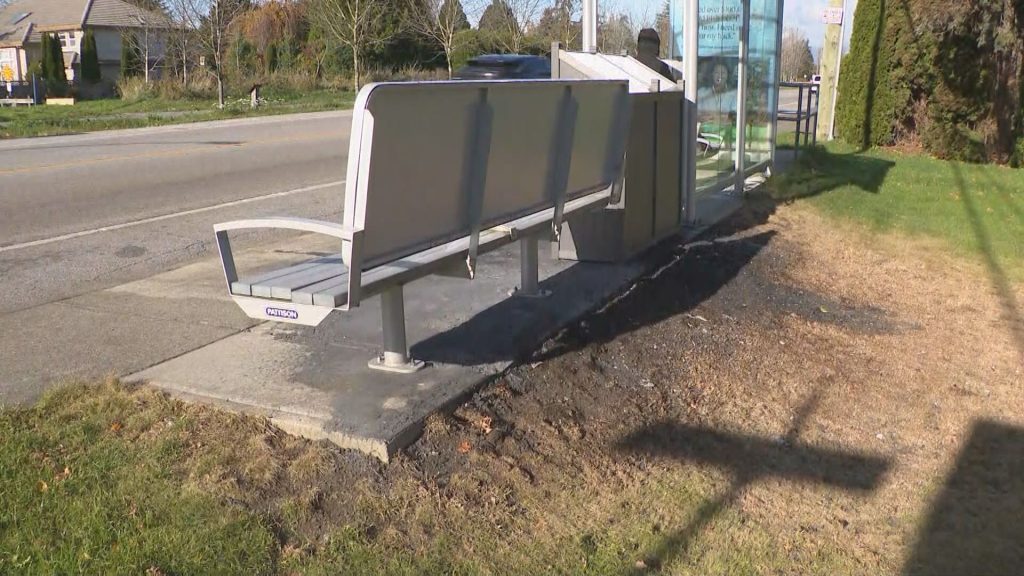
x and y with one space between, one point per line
590 26
831 57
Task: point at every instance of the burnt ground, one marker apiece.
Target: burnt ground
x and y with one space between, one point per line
786 396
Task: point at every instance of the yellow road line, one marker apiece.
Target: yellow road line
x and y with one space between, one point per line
193 149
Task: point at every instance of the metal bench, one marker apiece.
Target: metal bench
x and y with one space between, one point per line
439 173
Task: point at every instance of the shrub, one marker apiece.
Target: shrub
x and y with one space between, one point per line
200 87
944 73
1017 160
90 65
951 142
133 88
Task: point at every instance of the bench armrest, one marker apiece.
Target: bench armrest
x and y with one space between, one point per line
301 224
351 245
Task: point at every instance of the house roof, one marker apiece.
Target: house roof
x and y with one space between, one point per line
23 21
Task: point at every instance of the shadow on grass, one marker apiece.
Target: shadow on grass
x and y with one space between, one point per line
819 170
998 275
748 459
976 524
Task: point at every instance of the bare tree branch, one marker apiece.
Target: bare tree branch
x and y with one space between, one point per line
353 24
441 21
797 61
518 21
213 20
147 36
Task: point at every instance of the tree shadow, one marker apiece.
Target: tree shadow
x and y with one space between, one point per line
869 101
748 459
819 171
976 524
997 274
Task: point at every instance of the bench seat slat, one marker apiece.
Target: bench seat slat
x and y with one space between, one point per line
282 286
334 292
244 286
324 281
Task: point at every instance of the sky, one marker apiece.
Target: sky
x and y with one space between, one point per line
806 15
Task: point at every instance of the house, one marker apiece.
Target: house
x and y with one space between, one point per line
23 23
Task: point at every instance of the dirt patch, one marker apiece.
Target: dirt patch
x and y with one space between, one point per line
786 388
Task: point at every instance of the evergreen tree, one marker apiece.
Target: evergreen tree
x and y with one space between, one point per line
53 66
862 117
497 18
90 65
131 63
460 19
557 23
45 57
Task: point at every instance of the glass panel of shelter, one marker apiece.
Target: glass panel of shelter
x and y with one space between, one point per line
720 26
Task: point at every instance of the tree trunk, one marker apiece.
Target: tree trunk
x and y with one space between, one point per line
1006 102
448 58
355 69
220 90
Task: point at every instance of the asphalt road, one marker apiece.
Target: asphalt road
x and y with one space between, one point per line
85 212
789 98
107 259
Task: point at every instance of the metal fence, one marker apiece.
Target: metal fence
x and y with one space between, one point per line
806 113
32 91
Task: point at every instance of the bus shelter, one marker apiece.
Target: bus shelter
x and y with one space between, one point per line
725 54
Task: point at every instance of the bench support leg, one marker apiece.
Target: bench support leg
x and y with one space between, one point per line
529 266
396 349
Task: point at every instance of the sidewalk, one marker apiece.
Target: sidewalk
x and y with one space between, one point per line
315 382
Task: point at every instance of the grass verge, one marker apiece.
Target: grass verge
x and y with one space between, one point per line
118 480
976 210
112 114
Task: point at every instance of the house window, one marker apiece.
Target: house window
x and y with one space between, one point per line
68 39
8 65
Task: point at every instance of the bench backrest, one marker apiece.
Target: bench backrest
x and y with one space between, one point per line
432 162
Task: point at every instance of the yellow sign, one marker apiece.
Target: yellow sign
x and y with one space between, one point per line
7 73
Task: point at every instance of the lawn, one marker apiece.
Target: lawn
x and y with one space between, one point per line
974 210
109 479
92 115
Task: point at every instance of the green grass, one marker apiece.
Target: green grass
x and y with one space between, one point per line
975 210
88 487
114 480
93 115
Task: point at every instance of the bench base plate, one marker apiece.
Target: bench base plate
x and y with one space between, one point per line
410 367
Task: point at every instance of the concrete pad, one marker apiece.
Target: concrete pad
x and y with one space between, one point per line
315 381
